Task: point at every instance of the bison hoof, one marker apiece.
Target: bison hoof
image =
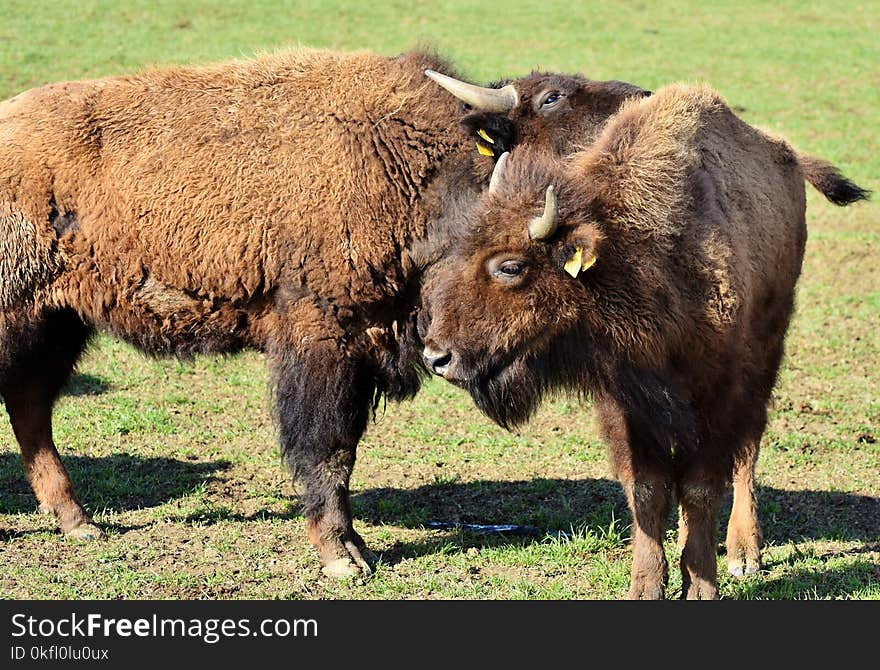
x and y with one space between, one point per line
85 532
355 560
643 590
341 568
743 552
743 567
700 591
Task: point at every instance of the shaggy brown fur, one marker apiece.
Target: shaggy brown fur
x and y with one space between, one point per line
266 203
697 224
559 112
563 114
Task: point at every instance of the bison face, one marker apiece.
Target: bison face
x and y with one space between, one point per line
505 306
554 111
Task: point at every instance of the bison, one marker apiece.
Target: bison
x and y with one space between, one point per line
267 203
654 270
562 114
276 203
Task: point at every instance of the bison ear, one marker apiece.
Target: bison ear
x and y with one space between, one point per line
579 249
493 133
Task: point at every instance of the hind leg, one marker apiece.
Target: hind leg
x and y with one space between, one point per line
744 536
30 411
743 530
42 358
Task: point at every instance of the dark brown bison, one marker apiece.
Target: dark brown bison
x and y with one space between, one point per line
655 270
266 203
563 114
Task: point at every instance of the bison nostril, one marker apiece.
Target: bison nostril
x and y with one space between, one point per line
437 361
439 365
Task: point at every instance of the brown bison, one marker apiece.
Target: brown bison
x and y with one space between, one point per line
655 270
565 113
274 204
266 203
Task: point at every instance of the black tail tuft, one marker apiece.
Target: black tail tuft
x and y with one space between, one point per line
842 191
830 182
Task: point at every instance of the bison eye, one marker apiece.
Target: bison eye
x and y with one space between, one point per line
551 99
506 269
511 268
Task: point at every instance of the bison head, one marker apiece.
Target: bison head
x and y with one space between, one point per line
504 311
555 111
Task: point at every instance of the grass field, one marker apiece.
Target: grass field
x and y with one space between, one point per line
178 461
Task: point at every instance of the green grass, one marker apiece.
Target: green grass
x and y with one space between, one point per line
179 461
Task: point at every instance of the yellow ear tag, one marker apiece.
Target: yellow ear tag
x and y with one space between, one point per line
484 150
482 133
587 263
577 263
573 266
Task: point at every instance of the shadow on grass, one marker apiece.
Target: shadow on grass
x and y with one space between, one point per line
792 516
221 515
821 582
559 505
548 504
115 482
86 384
545 504
123 482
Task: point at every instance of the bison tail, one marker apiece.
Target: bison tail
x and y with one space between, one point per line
830 182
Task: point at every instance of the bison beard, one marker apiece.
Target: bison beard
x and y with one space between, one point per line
508 395
511 393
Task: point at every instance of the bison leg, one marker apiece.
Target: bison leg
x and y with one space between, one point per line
324 400
648 488
649 500
744 536
743 531
700 501
33 376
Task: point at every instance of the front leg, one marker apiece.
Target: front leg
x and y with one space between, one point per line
649 499
647 482
323 403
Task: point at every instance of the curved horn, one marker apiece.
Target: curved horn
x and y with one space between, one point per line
498 172
542 227
485 99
